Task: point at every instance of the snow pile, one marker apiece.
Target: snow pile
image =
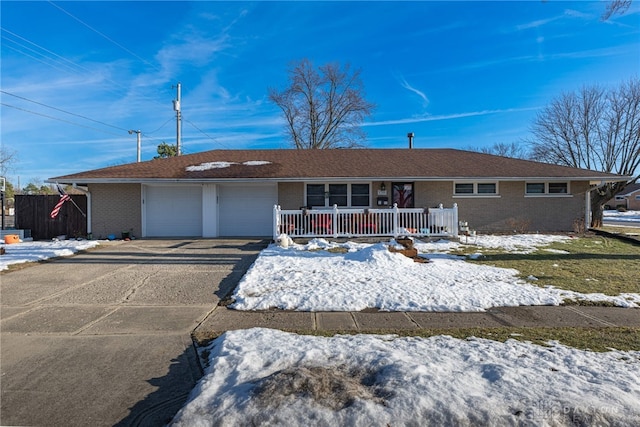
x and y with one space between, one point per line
628 216
37 251
256 163
208 165
222 165
517 243
317 277
368 380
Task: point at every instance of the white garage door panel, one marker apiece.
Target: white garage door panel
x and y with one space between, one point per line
246 210
173 211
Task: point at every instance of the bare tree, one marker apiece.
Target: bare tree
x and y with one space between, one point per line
516 150
596 129
615 7
323 108
8 158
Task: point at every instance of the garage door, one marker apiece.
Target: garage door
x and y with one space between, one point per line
174 211
246 210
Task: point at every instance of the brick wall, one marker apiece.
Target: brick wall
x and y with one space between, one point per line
116 208
291 195
511 210
633 201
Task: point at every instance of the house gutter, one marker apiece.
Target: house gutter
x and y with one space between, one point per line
336 179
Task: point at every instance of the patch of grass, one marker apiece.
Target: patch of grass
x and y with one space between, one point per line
588 303
634 231
594 339
334 387
338 250
593 265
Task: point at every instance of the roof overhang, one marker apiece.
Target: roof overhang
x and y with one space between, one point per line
85 181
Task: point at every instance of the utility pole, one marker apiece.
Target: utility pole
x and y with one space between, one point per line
176 108
138 138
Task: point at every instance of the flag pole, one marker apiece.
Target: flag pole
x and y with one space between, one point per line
77 207
62 192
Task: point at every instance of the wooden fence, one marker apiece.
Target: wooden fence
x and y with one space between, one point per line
32 213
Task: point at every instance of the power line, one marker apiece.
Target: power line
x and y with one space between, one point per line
59 119
146 135
201 131
63 111
163 125
40 47
82 70
35 57
74 68
105 37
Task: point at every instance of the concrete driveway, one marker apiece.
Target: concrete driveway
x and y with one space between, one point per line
103 338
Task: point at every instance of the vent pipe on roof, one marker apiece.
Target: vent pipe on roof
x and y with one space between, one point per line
410 136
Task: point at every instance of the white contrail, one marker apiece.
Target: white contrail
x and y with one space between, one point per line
421 94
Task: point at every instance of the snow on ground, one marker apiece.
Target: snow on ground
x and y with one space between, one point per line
615 216
17 253
267 377
316 277
517 243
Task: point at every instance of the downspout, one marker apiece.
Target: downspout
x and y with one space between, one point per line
587 209
88 194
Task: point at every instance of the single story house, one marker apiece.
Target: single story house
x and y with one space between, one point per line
629 198
226 193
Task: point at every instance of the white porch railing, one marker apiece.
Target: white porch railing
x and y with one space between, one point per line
348 222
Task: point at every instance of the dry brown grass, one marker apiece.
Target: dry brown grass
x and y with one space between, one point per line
335 387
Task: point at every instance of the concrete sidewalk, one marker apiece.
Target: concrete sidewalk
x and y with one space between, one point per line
103 338
223 319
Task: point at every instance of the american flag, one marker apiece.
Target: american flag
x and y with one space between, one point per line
56 209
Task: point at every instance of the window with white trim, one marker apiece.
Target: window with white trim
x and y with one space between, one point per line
547 188
315 195
360 195
475 189
338 194
344 195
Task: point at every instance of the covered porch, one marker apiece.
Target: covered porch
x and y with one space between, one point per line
350 222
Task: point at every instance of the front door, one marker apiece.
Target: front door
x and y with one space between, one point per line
403 194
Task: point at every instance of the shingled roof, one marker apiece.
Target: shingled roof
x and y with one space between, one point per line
295 165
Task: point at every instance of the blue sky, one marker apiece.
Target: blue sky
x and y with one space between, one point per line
76 76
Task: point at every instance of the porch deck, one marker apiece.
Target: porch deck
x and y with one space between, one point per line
349 222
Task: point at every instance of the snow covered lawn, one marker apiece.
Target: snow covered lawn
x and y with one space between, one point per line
319 277
17 253
622 217
262 376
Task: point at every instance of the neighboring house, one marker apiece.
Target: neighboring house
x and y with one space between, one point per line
233 192
629 198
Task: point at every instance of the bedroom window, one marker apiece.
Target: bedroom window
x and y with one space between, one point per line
475 189
547 189
558 188
464 188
